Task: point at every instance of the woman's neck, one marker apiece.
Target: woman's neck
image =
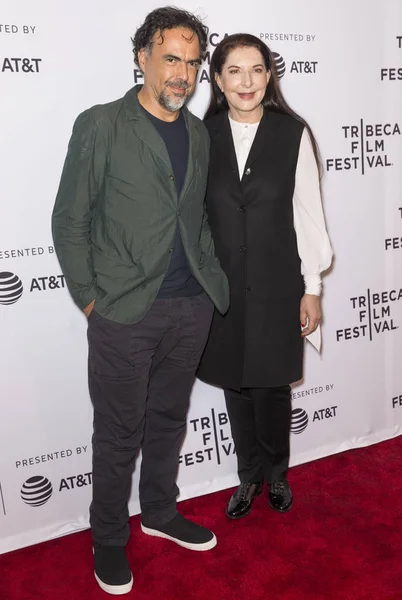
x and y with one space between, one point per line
249 117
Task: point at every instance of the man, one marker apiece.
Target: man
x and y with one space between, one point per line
133 240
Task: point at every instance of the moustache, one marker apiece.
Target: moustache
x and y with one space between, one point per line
180 84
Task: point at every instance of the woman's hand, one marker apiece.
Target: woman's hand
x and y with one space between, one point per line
310 313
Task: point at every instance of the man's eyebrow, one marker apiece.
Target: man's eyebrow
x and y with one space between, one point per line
192 60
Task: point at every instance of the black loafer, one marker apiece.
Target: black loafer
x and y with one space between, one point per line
242 500
280 496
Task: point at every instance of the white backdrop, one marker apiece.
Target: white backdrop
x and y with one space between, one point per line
343 72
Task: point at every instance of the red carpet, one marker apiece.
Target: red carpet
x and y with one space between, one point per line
341 541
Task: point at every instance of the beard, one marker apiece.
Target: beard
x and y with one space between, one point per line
174 102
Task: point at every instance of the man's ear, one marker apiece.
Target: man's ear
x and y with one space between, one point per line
142 59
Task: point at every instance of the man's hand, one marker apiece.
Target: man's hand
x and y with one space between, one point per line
89 308
310 313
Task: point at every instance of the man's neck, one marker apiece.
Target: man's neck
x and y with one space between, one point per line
148 101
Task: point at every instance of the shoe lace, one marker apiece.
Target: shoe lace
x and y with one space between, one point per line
244 490
278 487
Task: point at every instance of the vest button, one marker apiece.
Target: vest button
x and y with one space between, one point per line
171 177
248 288
242 249
247 171
242 208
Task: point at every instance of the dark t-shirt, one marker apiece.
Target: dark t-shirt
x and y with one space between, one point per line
179 281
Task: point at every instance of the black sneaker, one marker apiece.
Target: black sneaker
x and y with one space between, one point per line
280 496
112 571
183 532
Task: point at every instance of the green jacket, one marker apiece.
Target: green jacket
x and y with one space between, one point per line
117 210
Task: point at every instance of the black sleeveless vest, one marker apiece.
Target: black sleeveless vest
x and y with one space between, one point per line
257 343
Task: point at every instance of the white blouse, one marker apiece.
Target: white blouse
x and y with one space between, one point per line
312 238
313 244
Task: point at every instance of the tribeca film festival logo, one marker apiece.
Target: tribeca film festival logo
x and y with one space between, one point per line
367 143
215 439
300 418
11 287
393 73
374 315
38 490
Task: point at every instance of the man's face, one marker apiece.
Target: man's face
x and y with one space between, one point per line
170 69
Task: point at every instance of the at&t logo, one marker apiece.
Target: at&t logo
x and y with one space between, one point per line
21 65
308 67
300 418
299 421
36 491
279 64
11 288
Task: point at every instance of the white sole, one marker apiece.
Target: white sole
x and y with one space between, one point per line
197 547
115 590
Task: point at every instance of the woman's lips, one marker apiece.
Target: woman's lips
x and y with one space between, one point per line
247 96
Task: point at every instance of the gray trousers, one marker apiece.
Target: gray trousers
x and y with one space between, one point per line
140 380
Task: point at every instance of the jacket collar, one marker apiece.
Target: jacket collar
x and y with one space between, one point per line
149 135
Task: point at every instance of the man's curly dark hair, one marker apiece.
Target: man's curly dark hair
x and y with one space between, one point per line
168 17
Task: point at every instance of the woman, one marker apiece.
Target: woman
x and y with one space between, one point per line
266 216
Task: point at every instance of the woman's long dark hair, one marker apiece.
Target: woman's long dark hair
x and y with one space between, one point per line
273 99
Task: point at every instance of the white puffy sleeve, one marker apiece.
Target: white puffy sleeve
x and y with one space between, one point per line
312 238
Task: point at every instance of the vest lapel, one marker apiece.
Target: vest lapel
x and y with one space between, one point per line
264 139
222 134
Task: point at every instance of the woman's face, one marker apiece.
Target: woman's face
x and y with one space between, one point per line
243 80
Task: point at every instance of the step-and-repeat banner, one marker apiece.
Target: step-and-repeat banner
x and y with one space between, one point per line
340 64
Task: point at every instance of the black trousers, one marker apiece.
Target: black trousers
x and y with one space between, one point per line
140 380
260 422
